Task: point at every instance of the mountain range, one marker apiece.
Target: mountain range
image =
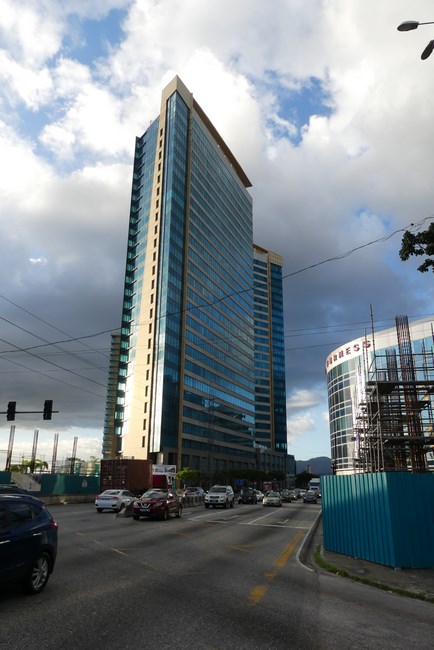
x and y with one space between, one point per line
321 465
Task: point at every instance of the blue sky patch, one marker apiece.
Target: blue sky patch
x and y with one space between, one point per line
91 39
297 102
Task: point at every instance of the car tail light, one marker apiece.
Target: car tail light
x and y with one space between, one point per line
54 524
115 498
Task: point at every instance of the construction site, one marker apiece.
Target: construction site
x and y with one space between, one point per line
394 419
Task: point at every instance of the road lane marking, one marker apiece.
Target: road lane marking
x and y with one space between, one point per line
208 514
117 550
269 514
249 523
289 550
242 547
257 594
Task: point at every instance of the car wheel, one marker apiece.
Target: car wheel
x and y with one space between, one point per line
225 505
165 515
38 576
231 505
121 507
179 513
99 509
136 517
206 505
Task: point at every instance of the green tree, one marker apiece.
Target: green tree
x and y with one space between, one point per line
185 475
26 466
421 243
302 480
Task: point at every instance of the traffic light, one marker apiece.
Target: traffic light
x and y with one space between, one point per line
48 409
10 415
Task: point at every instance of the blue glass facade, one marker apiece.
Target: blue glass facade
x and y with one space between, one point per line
170 301
270 385
341 389
218 394
278 355
186 390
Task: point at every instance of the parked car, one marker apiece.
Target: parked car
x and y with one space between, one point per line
158 503
272 499
28 542
248 495
194 492
114 500
220 495
293 495
259 495
9 488
311 496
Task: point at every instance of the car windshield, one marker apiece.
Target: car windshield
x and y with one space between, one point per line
220 490
273 494
154 494
110 492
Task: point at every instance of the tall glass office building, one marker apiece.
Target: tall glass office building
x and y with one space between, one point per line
347 371
270 385
186 380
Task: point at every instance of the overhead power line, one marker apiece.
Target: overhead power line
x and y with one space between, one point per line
193 307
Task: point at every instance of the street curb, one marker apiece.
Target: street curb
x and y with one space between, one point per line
305 550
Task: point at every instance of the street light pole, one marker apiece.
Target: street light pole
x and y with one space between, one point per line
409 25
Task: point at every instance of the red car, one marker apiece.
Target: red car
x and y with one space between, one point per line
159 503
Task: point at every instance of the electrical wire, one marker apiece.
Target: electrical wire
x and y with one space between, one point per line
193 307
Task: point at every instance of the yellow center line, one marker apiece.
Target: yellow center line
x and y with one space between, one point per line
258 592
289 550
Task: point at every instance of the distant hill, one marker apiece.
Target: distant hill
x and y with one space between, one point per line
321 465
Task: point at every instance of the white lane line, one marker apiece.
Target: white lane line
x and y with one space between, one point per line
269 514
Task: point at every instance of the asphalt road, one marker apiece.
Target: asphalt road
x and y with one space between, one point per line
212 580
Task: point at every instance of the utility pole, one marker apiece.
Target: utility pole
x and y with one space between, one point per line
10 447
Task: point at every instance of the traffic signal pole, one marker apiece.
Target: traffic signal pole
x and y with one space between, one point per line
12 410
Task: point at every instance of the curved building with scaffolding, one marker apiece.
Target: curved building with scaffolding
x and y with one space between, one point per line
380 397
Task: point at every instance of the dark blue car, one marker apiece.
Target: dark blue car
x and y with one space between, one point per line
28 542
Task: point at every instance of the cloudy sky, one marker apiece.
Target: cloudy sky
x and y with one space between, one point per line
328 108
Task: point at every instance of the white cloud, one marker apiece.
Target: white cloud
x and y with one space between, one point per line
358 172
303 399
38 260
32 87
31 31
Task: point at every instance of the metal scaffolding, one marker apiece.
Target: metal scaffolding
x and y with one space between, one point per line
394 415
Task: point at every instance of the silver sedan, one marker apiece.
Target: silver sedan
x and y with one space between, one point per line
114 500
272 499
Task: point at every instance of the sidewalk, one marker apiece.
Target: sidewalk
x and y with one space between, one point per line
415 583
